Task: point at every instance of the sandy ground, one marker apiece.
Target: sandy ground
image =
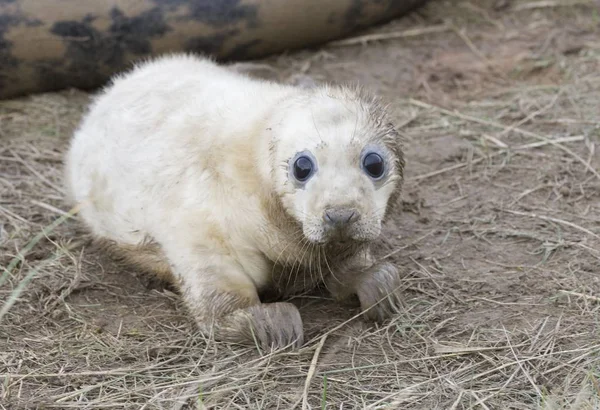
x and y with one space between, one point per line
498 241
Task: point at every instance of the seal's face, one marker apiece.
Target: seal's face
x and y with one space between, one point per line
338 162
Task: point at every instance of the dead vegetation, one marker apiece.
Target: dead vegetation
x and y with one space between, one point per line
499 102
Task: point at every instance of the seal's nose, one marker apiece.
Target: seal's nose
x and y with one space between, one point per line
340 217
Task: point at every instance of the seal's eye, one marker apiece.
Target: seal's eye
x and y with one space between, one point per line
373 165
303 168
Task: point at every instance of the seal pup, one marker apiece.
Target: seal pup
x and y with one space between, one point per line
227 185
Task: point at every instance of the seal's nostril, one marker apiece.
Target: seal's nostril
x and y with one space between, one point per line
328 218
350 217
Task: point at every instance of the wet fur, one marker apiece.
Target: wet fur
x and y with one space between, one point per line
220 271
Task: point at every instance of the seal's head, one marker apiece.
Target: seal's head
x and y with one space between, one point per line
338 164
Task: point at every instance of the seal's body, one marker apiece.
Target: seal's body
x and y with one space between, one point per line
228 185
55 44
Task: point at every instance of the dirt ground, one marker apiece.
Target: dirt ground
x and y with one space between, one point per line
499 240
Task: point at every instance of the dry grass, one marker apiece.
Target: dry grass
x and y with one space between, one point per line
499 240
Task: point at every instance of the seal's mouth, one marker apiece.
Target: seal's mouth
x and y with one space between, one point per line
339 239
340 236
321 233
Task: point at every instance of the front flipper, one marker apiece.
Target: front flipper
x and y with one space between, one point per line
225 304
270 325
377 290
375 284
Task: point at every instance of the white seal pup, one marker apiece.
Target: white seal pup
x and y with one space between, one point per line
228 185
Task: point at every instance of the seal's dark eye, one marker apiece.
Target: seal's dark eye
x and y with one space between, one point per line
373 165
303 168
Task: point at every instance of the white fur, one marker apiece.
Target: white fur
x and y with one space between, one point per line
179 150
